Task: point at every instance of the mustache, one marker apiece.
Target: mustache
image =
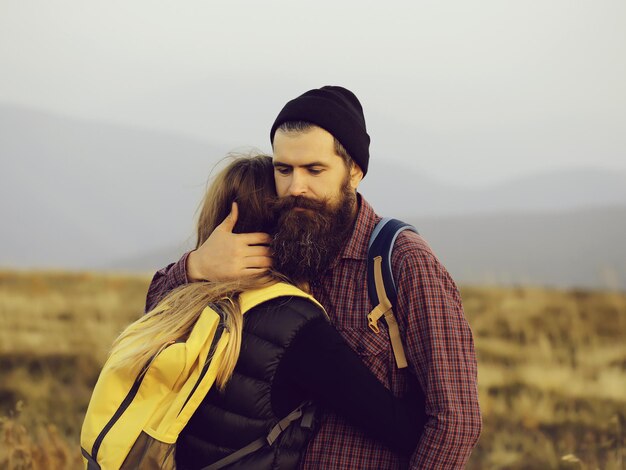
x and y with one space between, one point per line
288 203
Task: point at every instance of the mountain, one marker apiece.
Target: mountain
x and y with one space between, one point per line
87 194
76 193
574 248
401 192
581 248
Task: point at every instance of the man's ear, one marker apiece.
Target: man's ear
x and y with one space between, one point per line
356 175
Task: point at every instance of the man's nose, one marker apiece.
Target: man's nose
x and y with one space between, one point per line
297 186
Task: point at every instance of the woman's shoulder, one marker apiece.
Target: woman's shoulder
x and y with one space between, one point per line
282 296
292 306
281 318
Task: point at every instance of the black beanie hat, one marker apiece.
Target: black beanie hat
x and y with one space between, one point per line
336 110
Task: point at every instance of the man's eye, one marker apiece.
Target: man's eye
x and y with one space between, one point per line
282 170
315 171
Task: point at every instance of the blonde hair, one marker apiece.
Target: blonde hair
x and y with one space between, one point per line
248 180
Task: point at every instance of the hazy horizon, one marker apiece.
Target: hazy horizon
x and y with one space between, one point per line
84 194
113 114
468 94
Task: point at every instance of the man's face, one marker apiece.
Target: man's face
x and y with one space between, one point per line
316 203
305 164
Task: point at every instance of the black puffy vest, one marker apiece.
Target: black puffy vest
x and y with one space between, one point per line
253 401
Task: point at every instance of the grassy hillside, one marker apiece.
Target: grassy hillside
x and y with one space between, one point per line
552 368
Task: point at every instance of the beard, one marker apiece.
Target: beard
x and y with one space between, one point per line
310 234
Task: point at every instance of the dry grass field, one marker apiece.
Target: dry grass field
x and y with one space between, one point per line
552 369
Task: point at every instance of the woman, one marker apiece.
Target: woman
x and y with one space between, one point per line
281 354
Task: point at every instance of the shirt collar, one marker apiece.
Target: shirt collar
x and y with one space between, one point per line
366 220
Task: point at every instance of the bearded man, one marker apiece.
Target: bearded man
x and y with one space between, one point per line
321 153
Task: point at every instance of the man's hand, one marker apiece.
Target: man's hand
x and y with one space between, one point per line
226 255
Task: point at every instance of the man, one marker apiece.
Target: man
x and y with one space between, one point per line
321 153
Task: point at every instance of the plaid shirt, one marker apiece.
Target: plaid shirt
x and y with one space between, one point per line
438 344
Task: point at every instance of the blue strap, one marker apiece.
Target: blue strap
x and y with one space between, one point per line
381 244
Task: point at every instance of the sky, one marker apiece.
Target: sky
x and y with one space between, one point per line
468 93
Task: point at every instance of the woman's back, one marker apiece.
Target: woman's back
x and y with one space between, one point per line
256 397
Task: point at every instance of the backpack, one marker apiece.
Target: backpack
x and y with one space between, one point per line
381 286
133 421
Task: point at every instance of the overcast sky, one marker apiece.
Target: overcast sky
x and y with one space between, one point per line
467 92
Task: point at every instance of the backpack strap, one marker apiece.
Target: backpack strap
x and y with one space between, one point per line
304 410
381 286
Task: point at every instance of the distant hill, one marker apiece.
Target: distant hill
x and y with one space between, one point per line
582 248
77 193
395 190
577 248
84 194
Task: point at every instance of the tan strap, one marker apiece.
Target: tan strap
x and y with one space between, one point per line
380 284
383 309
374 316
383 301
396 340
